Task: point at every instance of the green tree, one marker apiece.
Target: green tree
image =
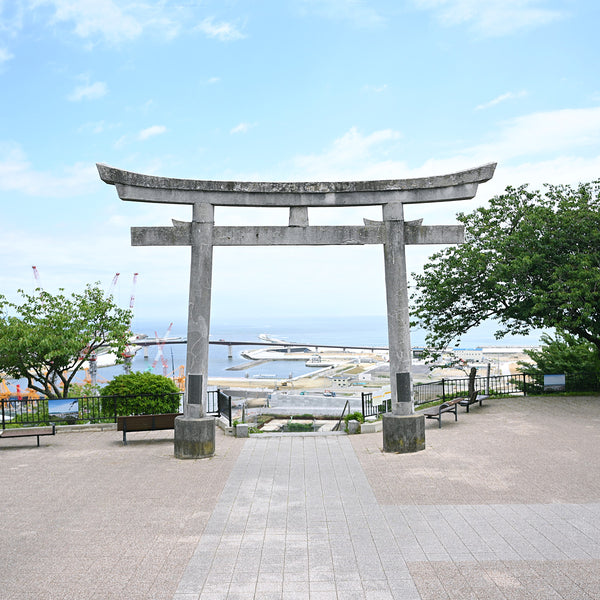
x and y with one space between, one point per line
530 260
140 394
47 338
564 353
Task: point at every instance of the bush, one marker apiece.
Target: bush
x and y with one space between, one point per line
299 427
355 416
140 394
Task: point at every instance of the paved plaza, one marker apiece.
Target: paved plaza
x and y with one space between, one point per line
503 504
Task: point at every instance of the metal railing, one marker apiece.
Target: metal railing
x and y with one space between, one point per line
218 404
373 410
336 427
99 409
447 389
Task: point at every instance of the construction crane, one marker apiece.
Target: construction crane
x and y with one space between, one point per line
128 355
132 299
159 354
5 392
113 284
36 276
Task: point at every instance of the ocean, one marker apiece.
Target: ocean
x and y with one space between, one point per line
357 331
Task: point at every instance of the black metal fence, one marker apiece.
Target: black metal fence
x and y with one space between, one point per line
219 404
27 412
501 385
447 389
373 410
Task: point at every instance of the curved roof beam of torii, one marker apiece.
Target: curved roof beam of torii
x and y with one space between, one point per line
149 188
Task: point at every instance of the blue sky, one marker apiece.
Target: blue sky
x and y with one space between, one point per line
274 90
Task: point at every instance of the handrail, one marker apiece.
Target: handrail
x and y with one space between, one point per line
337 426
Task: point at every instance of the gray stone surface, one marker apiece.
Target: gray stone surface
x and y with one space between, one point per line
242 430
403 433
201 234
194 438
503 505
150 188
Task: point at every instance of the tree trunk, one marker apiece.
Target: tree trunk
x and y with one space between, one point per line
472 375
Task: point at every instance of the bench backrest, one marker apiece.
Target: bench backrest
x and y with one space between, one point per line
147 422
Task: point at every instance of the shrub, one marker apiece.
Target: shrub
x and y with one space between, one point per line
299 427
140 394
355 416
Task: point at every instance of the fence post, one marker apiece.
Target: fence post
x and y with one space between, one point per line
362 399
443 391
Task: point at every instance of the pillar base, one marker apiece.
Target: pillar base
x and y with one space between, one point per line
194 438
403 433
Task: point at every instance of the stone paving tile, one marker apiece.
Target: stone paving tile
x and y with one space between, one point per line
314 517
328 522
90 518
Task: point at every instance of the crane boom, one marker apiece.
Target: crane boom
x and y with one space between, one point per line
132 299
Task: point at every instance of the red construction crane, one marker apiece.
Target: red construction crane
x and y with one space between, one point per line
159 354
113 284
132 299
36 276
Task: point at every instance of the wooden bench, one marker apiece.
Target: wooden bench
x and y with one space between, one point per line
145 423
28 432
436 412
472 399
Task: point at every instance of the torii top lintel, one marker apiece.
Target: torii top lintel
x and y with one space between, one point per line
137 187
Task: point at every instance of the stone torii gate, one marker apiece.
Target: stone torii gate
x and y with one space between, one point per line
403 431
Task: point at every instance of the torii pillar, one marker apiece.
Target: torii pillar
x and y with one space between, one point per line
403 430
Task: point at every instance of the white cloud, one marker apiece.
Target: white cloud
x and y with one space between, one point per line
353 156
88 91
225 32
151 132
549 133
501 98
242 128
492 18
90 18
5 55
18 175
115 21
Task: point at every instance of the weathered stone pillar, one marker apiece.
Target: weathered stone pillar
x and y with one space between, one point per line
194 432
403 431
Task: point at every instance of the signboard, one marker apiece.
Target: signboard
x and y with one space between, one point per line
554 383
63 406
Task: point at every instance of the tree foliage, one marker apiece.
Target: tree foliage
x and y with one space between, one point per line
47 338
530 259
563 353
140 394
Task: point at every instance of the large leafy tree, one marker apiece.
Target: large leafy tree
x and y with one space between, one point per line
47 337
531 259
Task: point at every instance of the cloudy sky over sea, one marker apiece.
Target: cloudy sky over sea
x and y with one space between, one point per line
274 90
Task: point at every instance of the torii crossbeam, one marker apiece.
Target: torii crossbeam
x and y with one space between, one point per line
194 432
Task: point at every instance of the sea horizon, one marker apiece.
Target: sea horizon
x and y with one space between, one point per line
368 331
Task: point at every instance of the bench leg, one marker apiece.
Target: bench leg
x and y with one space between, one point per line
38 439
124 435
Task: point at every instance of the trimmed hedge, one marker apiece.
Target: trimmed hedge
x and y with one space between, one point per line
140 394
